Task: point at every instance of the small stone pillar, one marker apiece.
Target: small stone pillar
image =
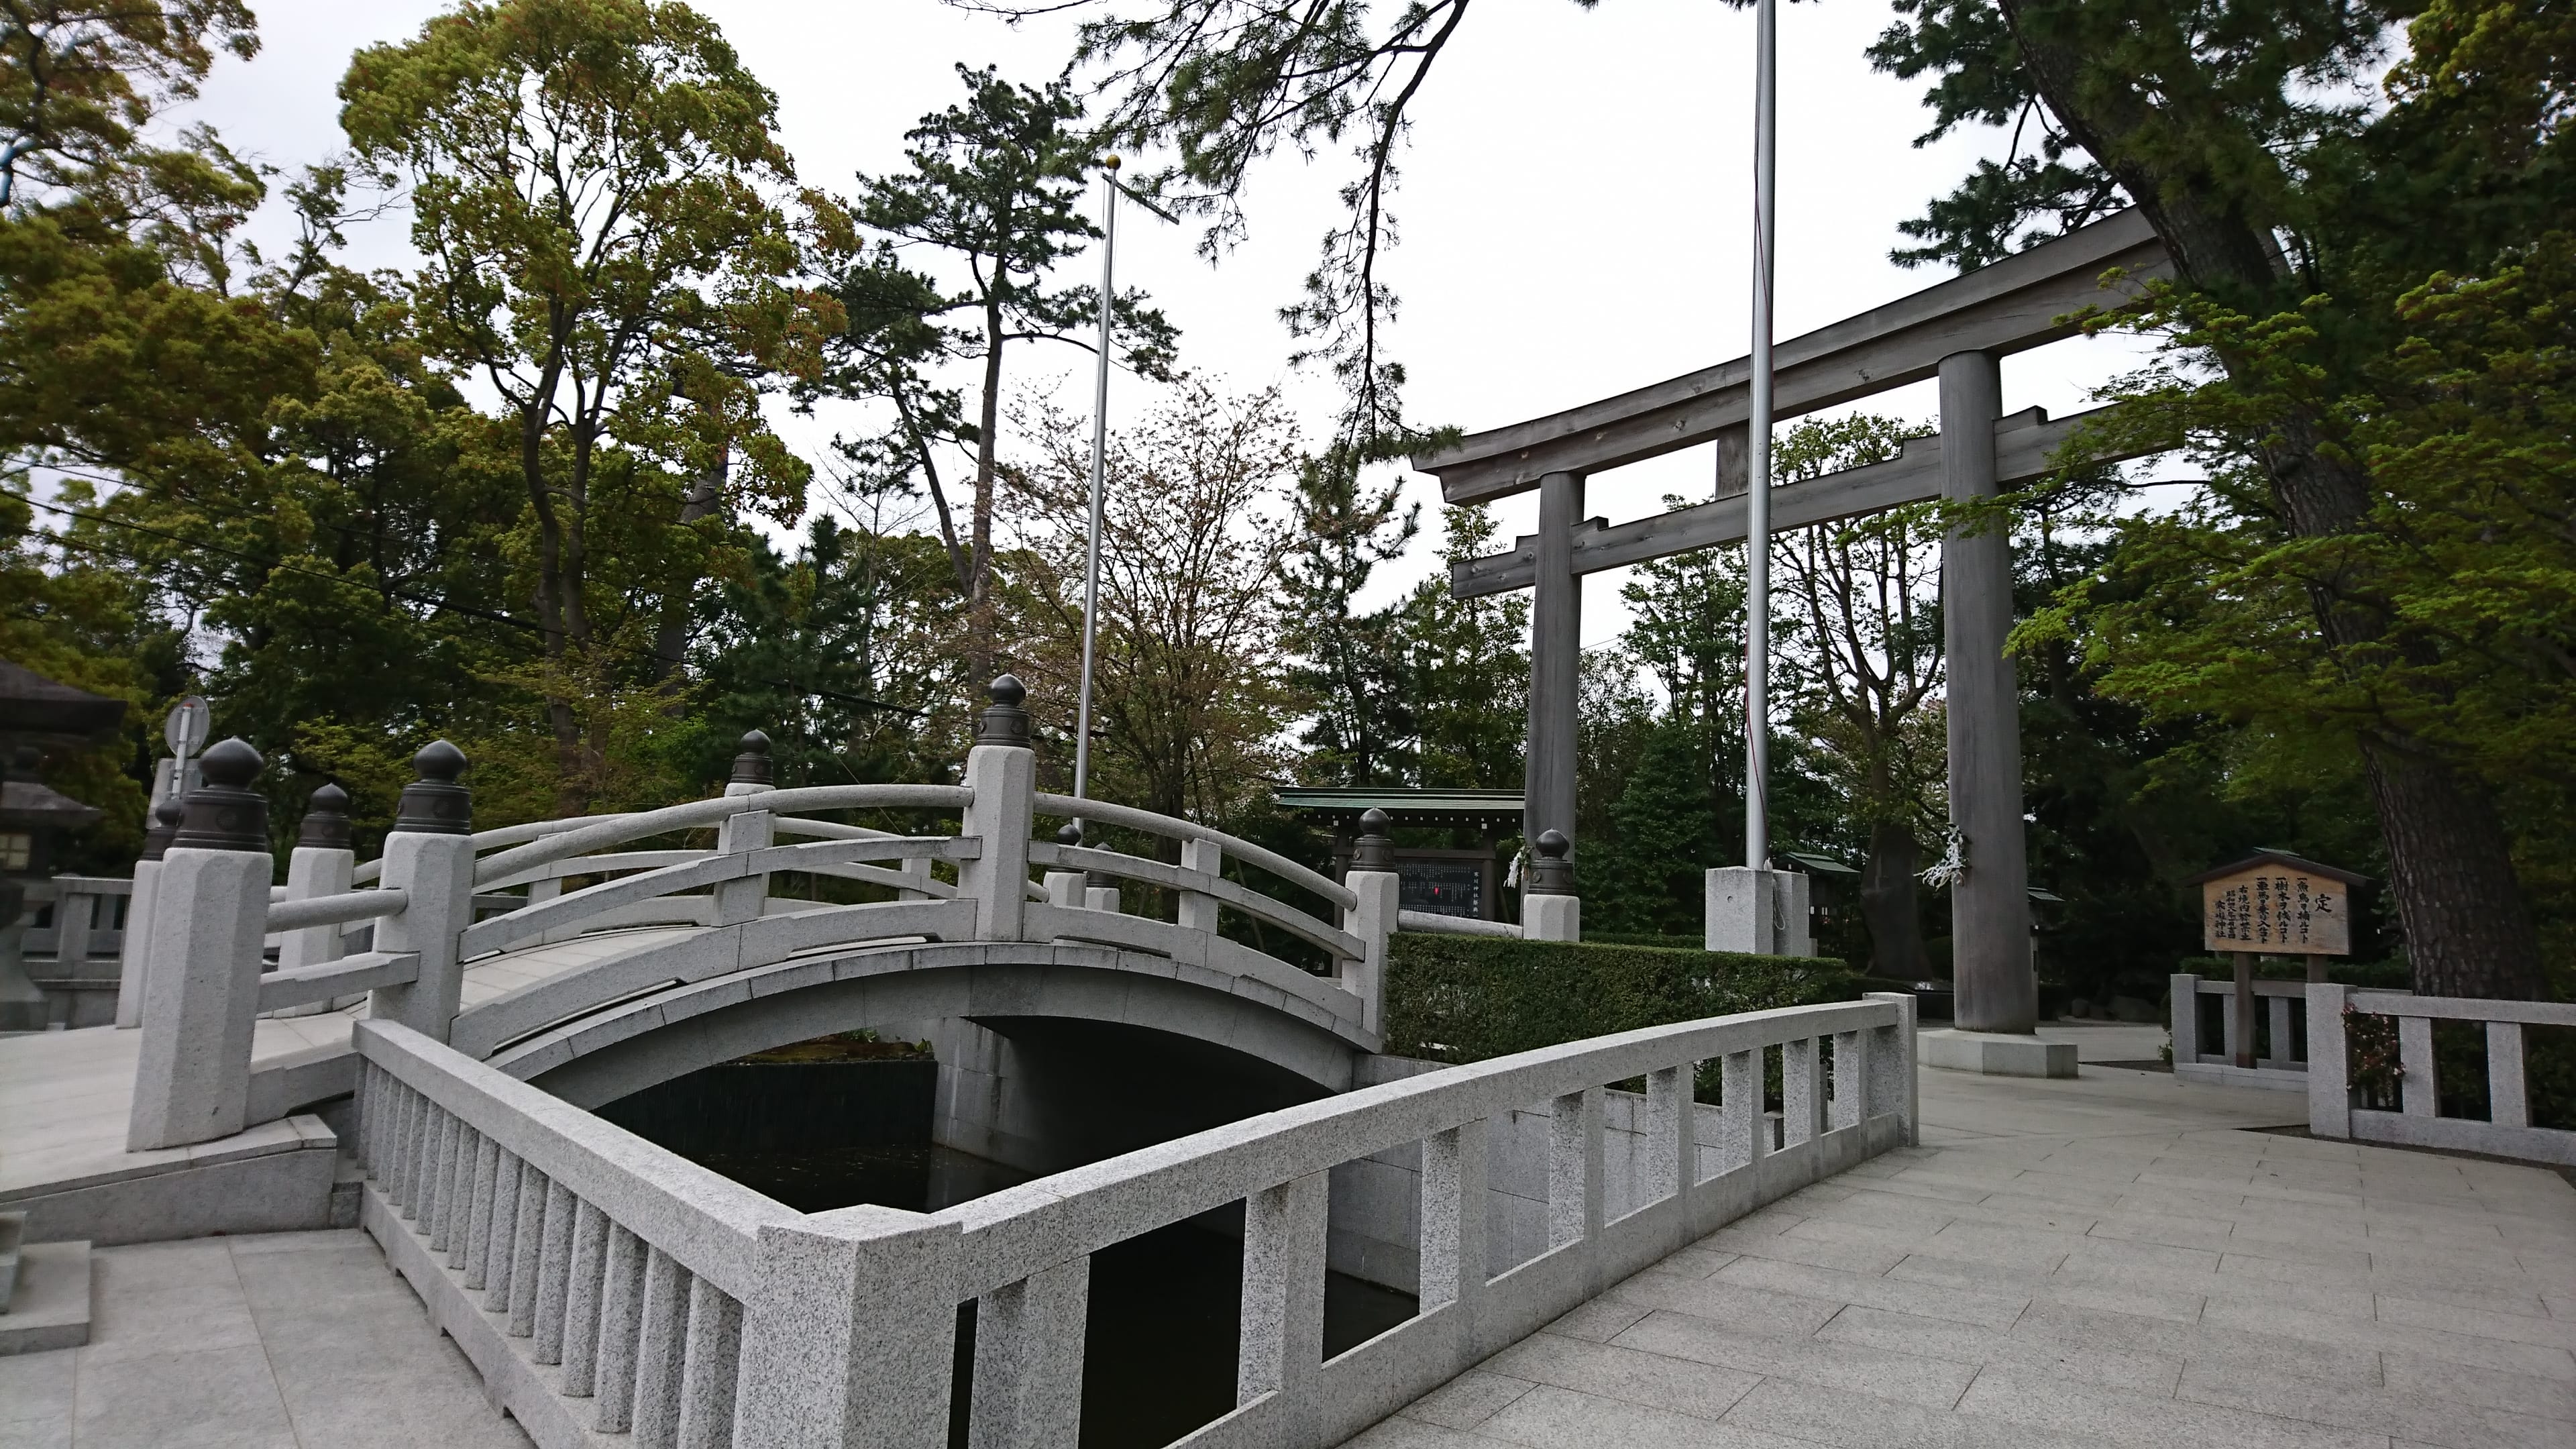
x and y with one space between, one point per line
1002 771
742 833
1373 879
201 992
1065 887
429 856
1550 910
323 862
752 771
135 960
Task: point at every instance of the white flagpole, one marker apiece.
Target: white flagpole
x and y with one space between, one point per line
1757 451
1099 467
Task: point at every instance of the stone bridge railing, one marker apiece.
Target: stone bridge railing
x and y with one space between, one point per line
443 896
600 1283
2334 1011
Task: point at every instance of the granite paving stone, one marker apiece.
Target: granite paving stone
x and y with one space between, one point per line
296 1340
2116 1260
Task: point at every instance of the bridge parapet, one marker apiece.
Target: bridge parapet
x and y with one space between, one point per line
601 1283
444 896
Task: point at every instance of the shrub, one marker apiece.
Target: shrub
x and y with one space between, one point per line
1467 998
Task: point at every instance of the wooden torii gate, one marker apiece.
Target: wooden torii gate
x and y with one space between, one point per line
1956 331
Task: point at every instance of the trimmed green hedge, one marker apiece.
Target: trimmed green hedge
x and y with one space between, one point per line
1467 998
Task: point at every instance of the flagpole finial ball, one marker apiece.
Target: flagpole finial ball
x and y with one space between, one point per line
1110 161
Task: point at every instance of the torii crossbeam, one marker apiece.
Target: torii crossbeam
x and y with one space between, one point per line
1956 331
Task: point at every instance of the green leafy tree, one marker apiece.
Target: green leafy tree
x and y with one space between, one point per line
1469 684
844 654
2297 215
993 188
80 80
1348 665
1226 83
1188 698
596 190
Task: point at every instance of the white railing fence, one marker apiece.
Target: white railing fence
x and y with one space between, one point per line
2266 1046
600 1283
442 896
2507 1130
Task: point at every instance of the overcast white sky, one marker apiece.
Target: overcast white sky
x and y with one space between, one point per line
1574 213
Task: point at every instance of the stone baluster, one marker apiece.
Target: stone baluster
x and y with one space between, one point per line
1844 1105
1802 1091
1454 1217
1028 1360
710 1368
430 856
1372 878
1574 1177
192 1078
72 911
322 865
1002 771
1550 910
1746 1129
2415 1060
2508 1091
1671 1146
135 963
621 1328
586 1278
1281 1343
553 1287
661 1342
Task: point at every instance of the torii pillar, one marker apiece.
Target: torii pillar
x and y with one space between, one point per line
1556 663
1996 991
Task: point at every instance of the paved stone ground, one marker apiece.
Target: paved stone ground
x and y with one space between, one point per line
2113 1260
278 1341
65 1096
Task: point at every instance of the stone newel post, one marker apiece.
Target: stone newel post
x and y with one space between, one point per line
135 961
1067 888
322 865
201 982
429 857
753 774
1550 910
1003 772
1373 879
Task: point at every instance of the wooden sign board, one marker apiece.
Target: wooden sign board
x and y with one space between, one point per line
2277 906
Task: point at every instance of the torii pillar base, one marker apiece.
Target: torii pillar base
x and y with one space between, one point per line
1759 912
1995 1053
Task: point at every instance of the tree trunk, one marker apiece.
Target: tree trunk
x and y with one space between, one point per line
550 615
2468 931
983 644
1887 904
671 641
